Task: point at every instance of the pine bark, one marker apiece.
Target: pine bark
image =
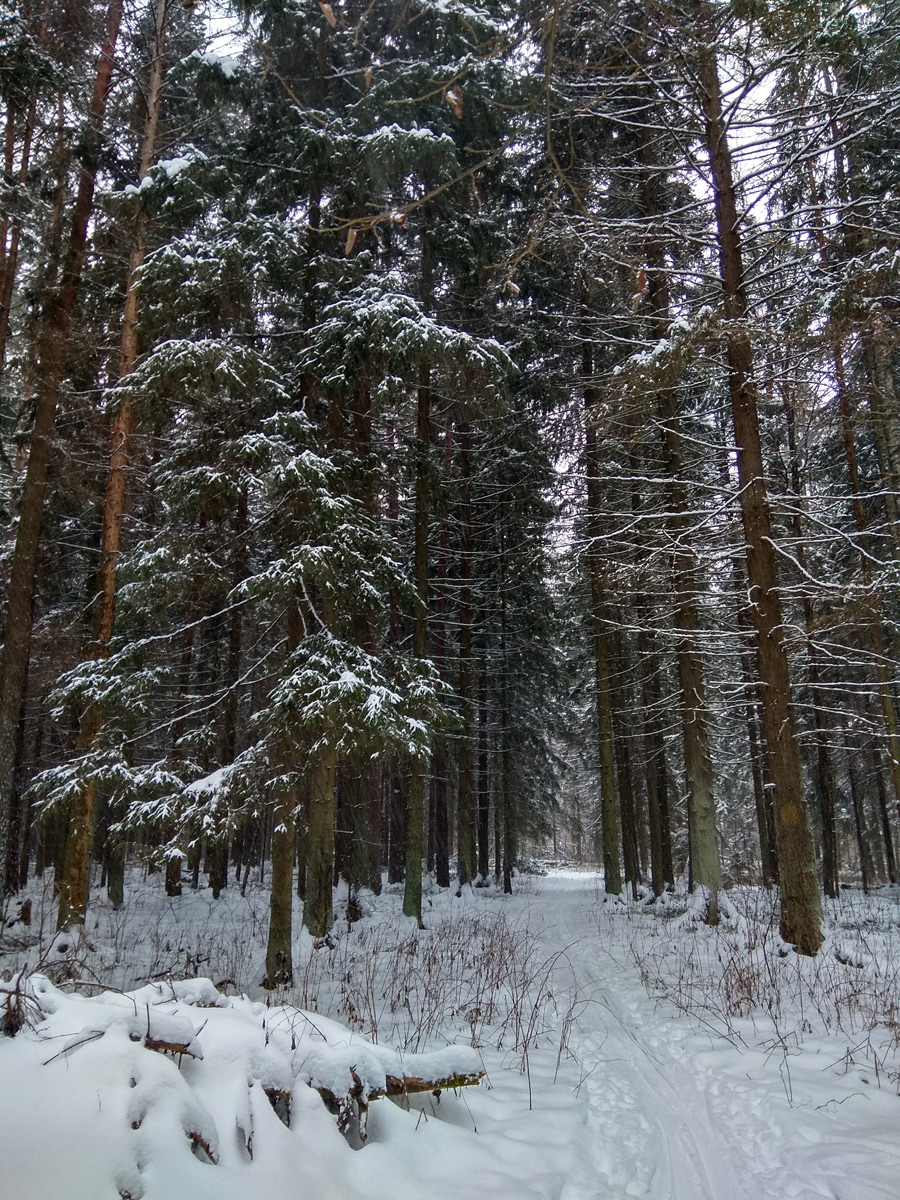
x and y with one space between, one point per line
318 915
279 964
824 775
609 831
74 885
699 778
484 782
466 849
441 756
53 337
12 227
801 909
412 895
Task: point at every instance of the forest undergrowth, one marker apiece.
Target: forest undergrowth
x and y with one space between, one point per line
474 973
481 971
741 982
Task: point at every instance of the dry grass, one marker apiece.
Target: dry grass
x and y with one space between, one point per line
742 975
472 975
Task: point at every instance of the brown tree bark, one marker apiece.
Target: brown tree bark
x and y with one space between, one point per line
53 337
699 778
622 710
484 781
318 915
279 964
507 789
74 886
801 907
12 226
654 758
609 832
412 895
466 850
825 779
441 758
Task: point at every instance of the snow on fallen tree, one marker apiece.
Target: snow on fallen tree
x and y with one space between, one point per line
215 1058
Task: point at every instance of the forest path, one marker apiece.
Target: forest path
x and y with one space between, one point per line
648 1130
673 1112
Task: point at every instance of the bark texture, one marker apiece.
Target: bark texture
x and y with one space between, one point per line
74 885
801 908
53 337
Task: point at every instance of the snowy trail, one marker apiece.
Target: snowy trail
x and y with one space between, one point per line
648 1131
670 1113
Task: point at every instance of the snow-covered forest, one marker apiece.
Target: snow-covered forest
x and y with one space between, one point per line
450 488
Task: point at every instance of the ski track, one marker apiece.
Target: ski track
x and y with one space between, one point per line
645 1135
671 1114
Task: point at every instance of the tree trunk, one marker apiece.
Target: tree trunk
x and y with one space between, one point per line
318 916
440 779
890 860
11 257
825 781
859 819
654 756
467 858
397 809
699 780
622 709
73 898
53 337
412 895
801 908
484 783
609 833
279 964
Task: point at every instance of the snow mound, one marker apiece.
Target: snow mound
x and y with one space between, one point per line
175 1078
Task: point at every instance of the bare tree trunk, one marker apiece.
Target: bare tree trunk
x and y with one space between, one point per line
622 708
484 781
396 823
801 907
609 832
74 886
53 337
467 863
506 763
655 758
318 916
890 860
699 780
859 819
412 895
825 780
14 228
318 910
279 965
441 758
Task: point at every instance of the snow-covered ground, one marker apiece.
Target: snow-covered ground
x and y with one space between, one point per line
626 1053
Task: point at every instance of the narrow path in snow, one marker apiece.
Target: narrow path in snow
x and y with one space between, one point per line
671 1112
647 1130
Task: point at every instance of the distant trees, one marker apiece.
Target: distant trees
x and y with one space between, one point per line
489 391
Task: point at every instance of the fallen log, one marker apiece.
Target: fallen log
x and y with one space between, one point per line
407 1085
360 1096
